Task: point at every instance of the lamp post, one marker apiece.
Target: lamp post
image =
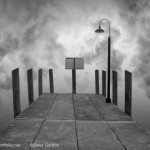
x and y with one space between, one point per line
100 30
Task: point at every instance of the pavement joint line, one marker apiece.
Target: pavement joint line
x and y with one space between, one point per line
90 99
103 121
61 120
76 131
29 119
117 136
88 121
109 126
43 121
121 121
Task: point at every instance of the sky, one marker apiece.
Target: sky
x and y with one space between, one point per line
42 33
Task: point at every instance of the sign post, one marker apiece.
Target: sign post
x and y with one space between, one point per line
73 78
73 64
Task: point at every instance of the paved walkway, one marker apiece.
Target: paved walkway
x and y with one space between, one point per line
73 122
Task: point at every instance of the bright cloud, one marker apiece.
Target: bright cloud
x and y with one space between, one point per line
42 33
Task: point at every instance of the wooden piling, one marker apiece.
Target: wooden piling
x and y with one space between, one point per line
40 81
128 92
16 92
114 87
30 86
51 82
97 81
104 83
73 81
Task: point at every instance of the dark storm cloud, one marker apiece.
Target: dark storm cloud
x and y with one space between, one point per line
2 52
34 31
142 61
28 61
34 22
145 26
117 59
55 53
100 55
134 6
147 85
7 83
35 16
24 24
136 15
131 9
101 51
9 44
15 9
30 16
5 80
30 35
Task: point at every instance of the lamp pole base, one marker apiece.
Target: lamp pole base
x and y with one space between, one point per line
108 100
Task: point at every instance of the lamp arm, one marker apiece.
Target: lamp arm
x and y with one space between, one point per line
108 23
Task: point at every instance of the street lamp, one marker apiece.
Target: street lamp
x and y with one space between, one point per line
100 30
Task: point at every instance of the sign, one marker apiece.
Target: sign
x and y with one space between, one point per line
74 63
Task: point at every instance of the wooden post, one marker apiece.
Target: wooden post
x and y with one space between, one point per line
30 86
114 87
97 81
73 81
104 83
40 82
51 82
16 92
128 92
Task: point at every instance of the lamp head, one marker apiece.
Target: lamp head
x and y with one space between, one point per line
99 30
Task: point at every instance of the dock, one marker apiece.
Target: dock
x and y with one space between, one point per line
73 122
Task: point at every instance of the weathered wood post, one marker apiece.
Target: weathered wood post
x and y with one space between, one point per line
16 92
73 81
40 81
97 81
114 87
30 86
128 92
51 82
104 83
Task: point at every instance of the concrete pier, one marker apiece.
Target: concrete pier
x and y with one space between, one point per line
73 122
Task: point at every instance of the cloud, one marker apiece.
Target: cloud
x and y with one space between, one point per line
100 52
55 52
5 80
137 21
33 39
8 44
142 63
146 85
28 61
6 83
21 10
2 52
30 35
27 37
117 60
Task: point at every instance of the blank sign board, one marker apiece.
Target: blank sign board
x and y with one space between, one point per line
74 63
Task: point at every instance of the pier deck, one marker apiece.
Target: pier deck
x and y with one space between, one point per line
73 122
